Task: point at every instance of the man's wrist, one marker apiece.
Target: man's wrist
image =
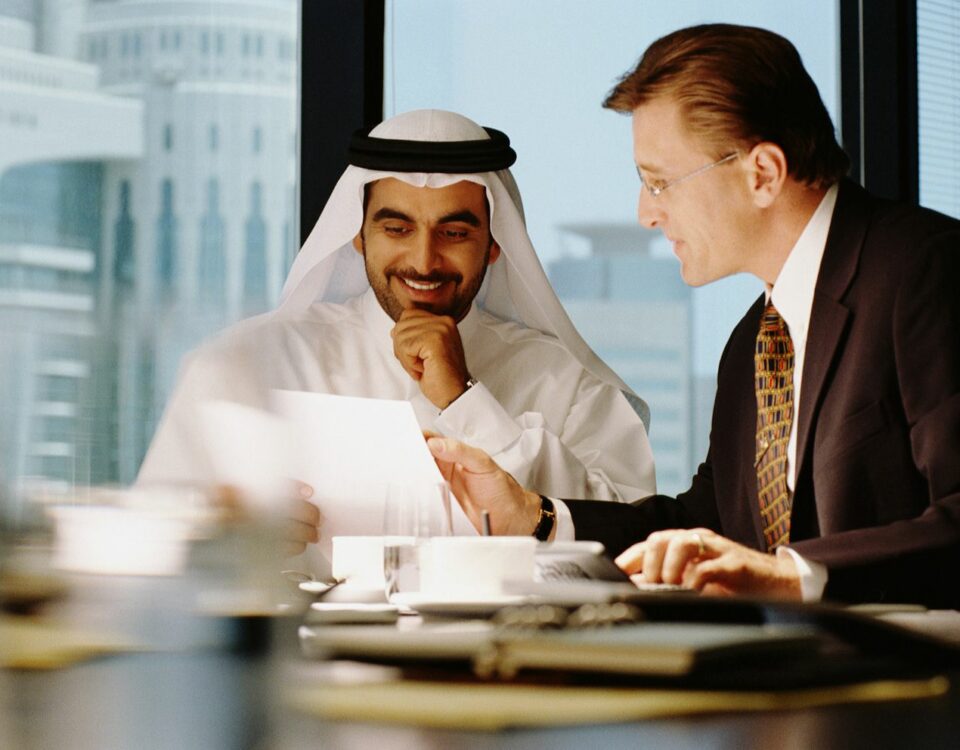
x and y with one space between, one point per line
468 383
812 576
546 519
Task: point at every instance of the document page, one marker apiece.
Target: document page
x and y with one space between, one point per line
348 449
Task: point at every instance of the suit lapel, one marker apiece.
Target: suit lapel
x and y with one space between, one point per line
829 316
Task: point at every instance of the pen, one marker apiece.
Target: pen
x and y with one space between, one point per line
486 522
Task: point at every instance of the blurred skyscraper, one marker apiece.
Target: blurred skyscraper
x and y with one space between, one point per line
147 198
636 313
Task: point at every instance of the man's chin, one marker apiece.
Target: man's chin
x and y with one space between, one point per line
691 277
436 308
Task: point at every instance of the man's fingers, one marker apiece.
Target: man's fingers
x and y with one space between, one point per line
303 521
631 559
297 531
410 362
704 561
654 550
469 458
684 548
297 535
302 489
303 511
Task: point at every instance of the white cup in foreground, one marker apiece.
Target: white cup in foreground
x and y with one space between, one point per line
475 567
120 540
358 560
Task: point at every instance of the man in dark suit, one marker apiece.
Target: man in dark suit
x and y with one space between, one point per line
834 462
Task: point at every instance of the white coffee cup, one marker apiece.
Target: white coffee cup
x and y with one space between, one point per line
466 568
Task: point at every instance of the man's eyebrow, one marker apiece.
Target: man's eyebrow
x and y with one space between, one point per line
465 216
391 213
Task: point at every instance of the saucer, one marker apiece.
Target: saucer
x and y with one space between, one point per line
443 606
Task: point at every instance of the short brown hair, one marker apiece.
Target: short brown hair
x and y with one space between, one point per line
738 86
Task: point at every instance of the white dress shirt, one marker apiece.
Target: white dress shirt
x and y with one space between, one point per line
792 295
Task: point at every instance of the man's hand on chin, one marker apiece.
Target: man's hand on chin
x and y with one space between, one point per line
430 350
705 561
479 484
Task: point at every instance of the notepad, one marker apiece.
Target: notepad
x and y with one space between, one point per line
665 649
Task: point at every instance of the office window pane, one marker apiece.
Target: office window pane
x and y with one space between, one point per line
938 78
539 70
129 229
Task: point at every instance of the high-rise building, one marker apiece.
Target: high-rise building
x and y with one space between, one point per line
148 155
200 231
636 313
58 132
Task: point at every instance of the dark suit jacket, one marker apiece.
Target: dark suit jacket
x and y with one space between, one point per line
877 496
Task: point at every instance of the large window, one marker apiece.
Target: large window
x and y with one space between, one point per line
147 192
135 216
538 70
938 79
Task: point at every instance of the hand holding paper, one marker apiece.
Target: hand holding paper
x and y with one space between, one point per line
347 449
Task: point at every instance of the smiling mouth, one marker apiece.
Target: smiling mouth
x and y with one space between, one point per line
422 286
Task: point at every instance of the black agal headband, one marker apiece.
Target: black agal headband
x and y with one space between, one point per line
449 157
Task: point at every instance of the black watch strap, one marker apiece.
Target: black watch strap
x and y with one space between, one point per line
548 516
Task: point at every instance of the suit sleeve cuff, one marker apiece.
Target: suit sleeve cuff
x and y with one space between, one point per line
477 418
813 575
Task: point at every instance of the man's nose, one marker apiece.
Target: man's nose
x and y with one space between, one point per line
425 253
649 213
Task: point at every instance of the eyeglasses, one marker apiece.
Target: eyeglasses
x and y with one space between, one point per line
657 187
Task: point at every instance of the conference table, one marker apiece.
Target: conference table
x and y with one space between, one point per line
222 685
222 701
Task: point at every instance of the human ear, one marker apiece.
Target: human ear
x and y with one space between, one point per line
766 171
494 253
358 242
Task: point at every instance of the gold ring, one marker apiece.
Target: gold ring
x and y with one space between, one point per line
700 546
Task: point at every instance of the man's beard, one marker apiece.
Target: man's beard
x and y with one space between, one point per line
456 309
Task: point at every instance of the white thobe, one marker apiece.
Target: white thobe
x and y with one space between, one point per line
558 429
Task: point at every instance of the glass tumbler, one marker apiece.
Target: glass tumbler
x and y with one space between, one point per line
413 513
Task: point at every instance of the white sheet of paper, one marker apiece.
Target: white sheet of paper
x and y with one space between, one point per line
349 449
251 450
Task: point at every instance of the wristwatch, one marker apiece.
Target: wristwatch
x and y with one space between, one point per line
548 516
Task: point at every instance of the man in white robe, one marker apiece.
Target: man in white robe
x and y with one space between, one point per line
475 339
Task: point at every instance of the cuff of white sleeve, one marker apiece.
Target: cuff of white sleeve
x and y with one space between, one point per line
477 418
813 575
564 522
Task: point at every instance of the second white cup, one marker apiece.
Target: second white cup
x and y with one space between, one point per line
475 567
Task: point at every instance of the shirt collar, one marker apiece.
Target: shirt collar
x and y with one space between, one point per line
793 291
376 319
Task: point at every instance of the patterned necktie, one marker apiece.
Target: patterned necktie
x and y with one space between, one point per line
773 363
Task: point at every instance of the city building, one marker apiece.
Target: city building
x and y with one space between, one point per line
59 132
166 132
636 313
